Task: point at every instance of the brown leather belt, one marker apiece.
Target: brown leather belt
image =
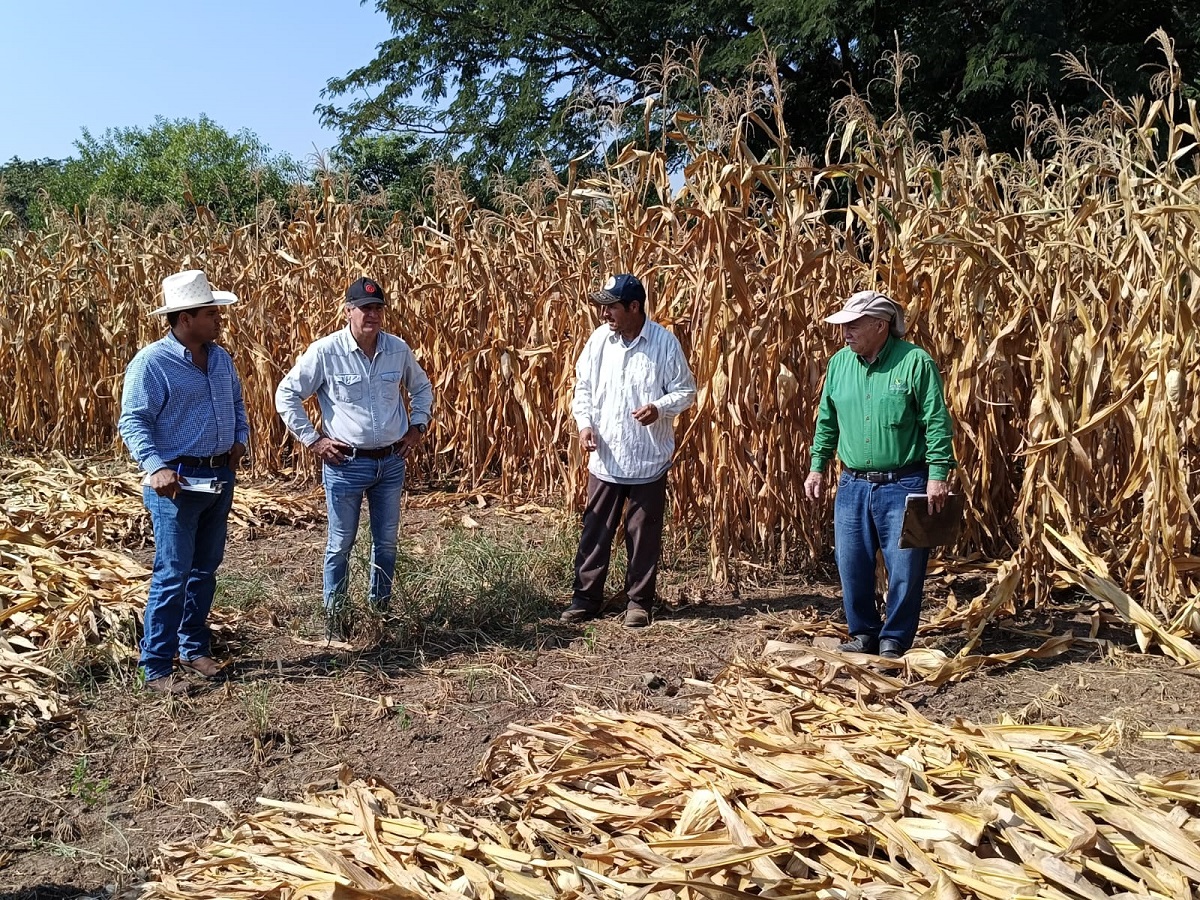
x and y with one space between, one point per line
201 462
376 453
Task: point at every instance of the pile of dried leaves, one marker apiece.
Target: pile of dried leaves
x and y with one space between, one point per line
94 504
61 590
53 598
797 779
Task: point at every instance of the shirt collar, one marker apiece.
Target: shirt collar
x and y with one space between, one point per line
884 352
615 336
176 347
350 344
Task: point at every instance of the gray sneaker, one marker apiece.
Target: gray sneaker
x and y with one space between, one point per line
860 643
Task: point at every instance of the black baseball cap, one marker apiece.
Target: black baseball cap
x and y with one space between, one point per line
622 289
365 292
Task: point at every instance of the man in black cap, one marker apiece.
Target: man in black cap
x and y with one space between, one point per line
366 433
631 381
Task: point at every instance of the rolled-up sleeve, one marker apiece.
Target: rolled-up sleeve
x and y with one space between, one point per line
304 380
420 391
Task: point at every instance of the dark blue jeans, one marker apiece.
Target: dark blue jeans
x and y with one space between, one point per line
868 517
381 481
189 544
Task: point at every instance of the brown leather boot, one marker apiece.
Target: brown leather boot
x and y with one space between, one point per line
169 686
203 665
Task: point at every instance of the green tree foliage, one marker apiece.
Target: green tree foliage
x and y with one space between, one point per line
177 162
25 186
500 82
392 170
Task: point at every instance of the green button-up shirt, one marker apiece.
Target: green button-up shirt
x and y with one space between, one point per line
885 415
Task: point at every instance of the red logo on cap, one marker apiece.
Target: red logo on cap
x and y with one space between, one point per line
369 288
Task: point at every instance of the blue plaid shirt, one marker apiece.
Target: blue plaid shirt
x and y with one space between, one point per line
169 408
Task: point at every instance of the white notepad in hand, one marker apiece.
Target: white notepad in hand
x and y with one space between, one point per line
197 485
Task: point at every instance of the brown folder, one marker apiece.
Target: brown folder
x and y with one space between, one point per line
920 529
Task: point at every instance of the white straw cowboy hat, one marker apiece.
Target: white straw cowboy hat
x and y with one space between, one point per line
190 290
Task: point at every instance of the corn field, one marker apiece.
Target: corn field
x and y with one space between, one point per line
1058 292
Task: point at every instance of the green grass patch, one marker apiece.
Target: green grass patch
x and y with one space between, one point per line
241 590
480 586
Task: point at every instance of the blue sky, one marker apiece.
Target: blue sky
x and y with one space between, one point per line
257 64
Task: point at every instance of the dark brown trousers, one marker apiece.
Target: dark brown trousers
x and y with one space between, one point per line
643 540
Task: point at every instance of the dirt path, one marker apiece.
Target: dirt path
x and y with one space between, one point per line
87 820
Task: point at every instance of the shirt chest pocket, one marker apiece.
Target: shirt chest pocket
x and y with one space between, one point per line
389 385
348 388
896 408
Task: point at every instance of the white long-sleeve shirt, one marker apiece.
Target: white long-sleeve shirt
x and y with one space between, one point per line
360 398
612 379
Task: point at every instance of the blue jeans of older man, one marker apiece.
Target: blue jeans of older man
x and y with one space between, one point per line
868 517
189 544
381 482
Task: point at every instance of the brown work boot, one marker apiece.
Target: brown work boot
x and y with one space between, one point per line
169 686
577 615
636 616
203 665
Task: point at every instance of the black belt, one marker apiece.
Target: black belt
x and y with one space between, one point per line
201 462
888 477
377 453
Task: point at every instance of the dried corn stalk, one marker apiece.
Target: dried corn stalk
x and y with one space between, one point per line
793 780
1059 296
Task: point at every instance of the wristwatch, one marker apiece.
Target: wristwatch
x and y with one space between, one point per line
421 429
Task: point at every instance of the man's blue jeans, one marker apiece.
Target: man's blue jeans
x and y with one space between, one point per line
381 481
189 544
868 517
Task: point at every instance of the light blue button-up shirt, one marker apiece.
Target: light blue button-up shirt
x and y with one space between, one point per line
359 397
169 408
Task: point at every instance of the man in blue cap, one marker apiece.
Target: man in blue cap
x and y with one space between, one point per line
631 382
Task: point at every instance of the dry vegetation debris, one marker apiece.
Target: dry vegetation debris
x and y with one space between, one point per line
794 779
63 590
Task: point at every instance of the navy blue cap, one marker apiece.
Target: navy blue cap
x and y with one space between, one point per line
365 292
622 289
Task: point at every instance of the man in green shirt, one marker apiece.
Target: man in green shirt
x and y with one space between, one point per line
883 412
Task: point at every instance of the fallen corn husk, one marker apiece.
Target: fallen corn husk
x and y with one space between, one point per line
60 589
52 598
789 780
92 504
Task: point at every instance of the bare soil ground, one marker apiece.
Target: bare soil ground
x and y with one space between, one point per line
83 817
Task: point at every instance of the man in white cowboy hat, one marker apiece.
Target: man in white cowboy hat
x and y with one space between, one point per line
882 410
183 419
